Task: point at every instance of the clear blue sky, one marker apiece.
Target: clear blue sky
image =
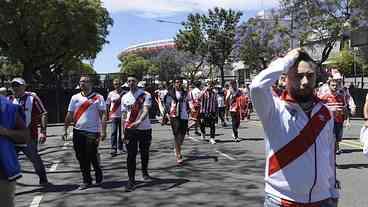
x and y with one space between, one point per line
134 23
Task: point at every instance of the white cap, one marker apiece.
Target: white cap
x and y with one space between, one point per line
19 81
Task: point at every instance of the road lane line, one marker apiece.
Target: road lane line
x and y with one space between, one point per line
54 166
353 142
225 155
36 201
350 145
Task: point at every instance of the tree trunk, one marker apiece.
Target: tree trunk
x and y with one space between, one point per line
222 75
28 73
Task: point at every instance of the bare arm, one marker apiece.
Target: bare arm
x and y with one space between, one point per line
20 134
103 124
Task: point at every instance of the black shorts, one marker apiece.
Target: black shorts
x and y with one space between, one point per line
179 128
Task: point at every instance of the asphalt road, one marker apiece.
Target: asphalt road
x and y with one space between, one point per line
225 174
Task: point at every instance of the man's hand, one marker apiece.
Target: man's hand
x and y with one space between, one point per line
294 53
42 138
135 124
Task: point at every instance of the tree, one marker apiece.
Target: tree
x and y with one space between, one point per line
323 22
261 39
9 70
192 39
137 65
44 35
344 61
220 28
210 37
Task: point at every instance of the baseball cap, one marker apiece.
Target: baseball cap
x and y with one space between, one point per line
19 81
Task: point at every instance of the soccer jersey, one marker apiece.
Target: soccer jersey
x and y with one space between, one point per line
114 101
86 111
133 105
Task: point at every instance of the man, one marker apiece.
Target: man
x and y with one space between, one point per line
194 105
113 103
208 111
179 106
160 94
13 130
337 103
35 114
300 165
237 107
87 110
135 105
221 104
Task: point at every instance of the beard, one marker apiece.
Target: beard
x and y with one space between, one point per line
302 96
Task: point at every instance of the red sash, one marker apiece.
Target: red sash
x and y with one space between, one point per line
137 106
301 143
115 107
83 108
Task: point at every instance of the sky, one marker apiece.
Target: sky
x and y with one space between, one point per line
135 21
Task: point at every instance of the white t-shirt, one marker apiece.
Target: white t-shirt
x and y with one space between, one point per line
90 120
195 93
112 99
128 100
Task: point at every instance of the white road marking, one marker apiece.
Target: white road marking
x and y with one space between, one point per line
36 201
54 166
350 145
194 139
65 146
225 155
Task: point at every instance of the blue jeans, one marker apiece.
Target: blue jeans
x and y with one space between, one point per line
31 152
271 202
116 141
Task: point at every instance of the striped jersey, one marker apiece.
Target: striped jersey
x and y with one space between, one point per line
208 102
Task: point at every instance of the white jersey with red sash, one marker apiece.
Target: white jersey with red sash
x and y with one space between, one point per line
133 104
86 111
114 101
33 109
300 147
336 103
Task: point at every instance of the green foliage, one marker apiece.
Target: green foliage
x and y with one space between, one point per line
211 37
44 35
344 61
324 21
133 64
10 70
261 40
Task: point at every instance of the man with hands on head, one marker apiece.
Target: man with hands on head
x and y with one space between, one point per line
87 110
137 129
300 155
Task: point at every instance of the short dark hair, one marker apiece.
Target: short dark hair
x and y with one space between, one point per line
304 56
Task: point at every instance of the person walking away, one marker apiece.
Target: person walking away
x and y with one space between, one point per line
194 105
221 105
87 110
35 114
113 103
179 105
137 129
299 138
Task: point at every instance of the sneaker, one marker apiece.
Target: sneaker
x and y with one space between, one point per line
84 186
197 133
130 186
146 177
212 141
113 153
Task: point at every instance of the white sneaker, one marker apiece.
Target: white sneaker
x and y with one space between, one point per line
212 141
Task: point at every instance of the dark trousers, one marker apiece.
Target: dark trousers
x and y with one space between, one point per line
31 152
221 114
86 151
141 138
116 141
210 121
235 122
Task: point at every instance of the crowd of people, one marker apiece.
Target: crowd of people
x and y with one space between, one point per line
303 124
